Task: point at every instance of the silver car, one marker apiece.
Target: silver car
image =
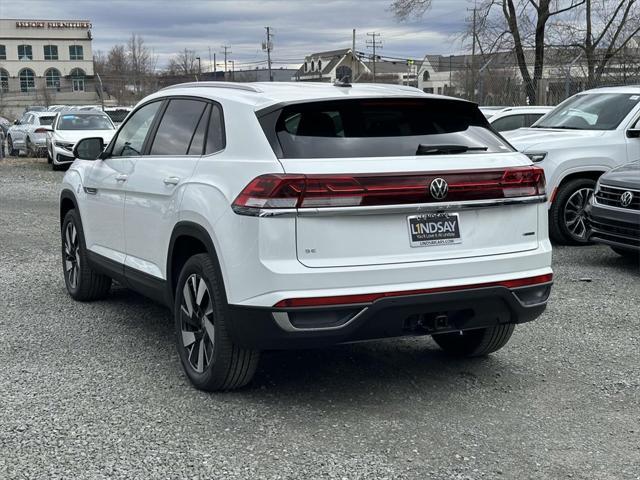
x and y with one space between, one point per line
29 134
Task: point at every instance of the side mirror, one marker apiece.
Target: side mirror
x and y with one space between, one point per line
89 148
633 133
16 122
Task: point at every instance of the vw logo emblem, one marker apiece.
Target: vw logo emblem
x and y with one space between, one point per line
439 188
626 198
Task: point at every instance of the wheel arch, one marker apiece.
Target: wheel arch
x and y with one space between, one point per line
591 174
67 202
187 239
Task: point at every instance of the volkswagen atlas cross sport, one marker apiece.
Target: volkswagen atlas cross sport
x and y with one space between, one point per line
271 216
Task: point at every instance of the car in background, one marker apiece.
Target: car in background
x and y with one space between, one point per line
56 108
512 118
34 108
69 127
5 124
613 212
117 114
582 138
29 134
489 112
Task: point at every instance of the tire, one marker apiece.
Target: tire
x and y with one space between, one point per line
629 254
210 365
82 282
475 343
29 149
569 204
49 158
12 151
57 167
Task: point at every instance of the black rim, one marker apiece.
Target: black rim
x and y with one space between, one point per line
574 216
71 255
197 323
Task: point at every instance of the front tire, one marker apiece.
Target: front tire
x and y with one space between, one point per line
567 220
475 343
82 282
209 357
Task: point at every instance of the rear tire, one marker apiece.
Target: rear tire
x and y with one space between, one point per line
201 312
82 282
475 343
566 217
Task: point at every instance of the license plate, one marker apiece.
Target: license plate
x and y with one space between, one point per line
434 229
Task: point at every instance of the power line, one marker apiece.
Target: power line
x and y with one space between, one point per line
226 52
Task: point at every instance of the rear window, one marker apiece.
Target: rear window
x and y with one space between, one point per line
378 128
118 116
46 120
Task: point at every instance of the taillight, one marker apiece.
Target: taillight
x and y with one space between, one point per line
41 130
278 191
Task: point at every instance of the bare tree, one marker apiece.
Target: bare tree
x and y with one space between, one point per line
600 31
141 62
183 63
403 9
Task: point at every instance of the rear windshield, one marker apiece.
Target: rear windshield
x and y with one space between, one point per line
379 128
46 120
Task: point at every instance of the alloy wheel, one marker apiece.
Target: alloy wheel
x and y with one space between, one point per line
574 215
197 323
71 255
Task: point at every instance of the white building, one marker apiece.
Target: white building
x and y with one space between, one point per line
45 62
331 65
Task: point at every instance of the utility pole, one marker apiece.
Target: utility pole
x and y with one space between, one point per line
267 47
473 55
209 58
215 65
374 44
226 52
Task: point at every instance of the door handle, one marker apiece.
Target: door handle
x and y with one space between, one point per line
122 177
171 181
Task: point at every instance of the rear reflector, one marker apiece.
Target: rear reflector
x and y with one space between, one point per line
41 130
277 191
372 297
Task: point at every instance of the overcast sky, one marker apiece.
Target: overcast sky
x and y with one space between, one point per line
300 26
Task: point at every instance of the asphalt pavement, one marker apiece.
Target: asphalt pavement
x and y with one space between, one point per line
95 390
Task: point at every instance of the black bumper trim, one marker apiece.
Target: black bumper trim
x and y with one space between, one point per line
255 327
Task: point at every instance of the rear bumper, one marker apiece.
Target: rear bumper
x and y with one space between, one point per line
422 314
614 226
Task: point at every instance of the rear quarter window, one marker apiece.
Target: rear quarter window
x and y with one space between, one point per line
377 128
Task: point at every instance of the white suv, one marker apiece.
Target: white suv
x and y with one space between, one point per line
578 141
277 215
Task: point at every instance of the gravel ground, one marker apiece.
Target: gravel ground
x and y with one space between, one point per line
96 390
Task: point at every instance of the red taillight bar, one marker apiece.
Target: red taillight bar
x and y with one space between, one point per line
372 297
277 191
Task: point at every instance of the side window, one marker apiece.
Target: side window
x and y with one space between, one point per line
215 136
533 118
511 122
178 127
131 137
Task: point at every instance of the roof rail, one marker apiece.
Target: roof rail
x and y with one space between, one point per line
235 86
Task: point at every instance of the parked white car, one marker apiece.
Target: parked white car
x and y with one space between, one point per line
69 127
29 134
512 118
578 141
289 215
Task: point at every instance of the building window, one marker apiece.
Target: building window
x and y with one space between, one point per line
3 52
77 80
25 52
343 72
27 80
51 52
306 67
4 81
312 65
52 77
75 52
319 65
426 76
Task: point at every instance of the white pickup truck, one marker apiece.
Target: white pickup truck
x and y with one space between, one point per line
578 141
